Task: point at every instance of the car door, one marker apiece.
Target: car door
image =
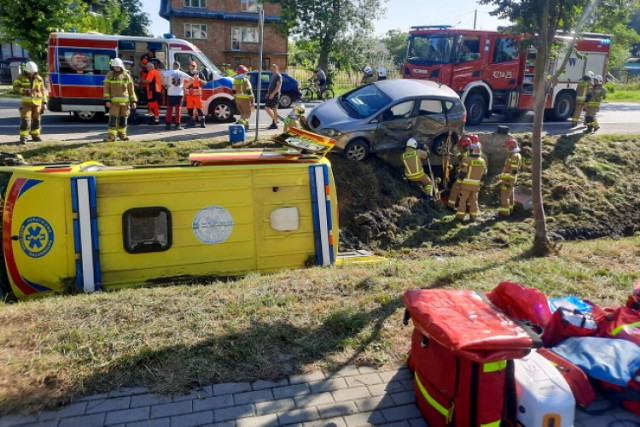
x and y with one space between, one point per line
395 126
430 121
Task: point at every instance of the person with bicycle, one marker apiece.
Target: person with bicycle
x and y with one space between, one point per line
321 80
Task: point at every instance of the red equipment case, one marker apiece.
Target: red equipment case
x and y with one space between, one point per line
461 354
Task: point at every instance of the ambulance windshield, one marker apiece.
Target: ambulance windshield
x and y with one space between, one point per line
429 49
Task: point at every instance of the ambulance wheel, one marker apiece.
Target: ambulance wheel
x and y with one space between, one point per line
356 150
222 110
563 107
87 116
476 109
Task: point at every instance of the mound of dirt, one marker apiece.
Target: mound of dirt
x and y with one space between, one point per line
591 189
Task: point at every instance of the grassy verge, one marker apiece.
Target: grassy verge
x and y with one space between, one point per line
6 91
262 327
627 92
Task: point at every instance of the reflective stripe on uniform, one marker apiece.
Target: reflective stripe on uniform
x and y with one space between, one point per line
447 413
621 328
471 181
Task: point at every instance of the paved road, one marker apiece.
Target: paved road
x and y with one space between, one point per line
351 397
614 118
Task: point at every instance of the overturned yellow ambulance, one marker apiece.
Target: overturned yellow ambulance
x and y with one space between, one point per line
88 227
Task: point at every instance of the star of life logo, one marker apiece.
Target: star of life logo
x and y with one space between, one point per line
36 237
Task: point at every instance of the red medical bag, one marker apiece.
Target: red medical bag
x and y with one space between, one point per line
461 353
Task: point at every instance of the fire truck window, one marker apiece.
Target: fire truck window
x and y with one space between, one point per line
469 49
506 50
430 106
147 230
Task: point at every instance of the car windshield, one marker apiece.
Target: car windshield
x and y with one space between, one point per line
364 101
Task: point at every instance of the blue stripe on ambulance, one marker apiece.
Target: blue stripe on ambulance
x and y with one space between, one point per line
85 233
321 208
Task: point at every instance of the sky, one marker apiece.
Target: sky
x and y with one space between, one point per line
400 15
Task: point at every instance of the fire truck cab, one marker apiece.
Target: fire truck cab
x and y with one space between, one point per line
79 62
492 74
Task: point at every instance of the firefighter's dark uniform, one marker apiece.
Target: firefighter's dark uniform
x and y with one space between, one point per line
33 98
508 177
594 98
472 170
119 90
581 95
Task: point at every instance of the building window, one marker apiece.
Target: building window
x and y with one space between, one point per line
241 35
202 4
146 230
195 31
248 6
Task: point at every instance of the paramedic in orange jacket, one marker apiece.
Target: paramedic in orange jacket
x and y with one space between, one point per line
510 169
152 81
194 95
119 96
33 100
472 170
413 170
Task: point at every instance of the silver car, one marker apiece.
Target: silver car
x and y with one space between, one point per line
381 116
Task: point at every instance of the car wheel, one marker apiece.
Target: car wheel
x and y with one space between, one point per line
356 150
441 146
307 95
285 101
86 116
563 107
476 109
222 110
327 94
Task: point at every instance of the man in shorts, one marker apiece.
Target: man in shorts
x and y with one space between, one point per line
273 96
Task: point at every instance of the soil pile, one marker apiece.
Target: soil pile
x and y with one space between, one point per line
591 189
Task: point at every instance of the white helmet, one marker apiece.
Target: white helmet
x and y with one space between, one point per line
412 143
382 71
31 67
299 109
589 74
598 79
368 70
117 62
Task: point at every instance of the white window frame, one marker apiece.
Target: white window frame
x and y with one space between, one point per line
190 32
249 6
241 35
197 4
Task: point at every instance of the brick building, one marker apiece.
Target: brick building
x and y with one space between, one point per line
227 31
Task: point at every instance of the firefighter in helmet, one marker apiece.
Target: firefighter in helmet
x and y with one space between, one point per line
583 88
243 94
295 117
33 101
413 170
510 169
472 170
462 147
597 94
119 97
194 95
368 76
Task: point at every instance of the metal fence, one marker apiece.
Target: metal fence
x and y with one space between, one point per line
341 80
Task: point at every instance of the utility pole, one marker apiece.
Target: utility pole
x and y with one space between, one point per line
475 18
261 30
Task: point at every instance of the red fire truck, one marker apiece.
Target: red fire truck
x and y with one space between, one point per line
491 73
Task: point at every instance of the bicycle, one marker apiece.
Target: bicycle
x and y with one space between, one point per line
311 90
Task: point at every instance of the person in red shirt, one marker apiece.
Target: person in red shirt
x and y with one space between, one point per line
153 83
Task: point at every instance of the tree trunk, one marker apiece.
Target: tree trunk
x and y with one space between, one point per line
325 48
541 243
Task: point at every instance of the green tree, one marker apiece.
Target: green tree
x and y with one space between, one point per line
138 20
542 19
30 23
396 43
619 23
328 21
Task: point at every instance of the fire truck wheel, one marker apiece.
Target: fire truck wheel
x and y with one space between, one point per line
563 107
476 109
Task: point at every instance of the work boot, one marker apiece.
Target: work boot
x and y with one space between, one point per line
23 140
36 138
167 126
109 138
123 137
202 123
178 126
595 129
